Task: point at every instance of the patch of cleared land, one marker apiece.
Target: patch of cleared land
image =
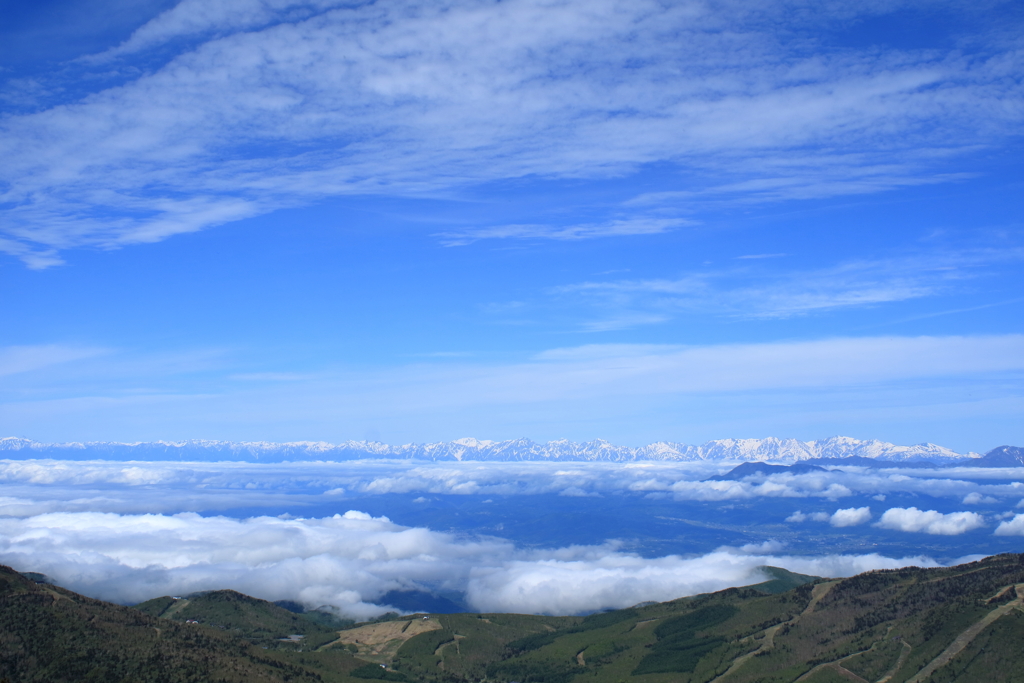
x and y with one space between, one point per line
379 642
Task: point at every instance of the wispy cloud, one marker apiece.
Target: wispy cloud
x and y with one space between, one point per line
753 293
801 178
19 359
618 228
119 390
194 18
264 105
624 321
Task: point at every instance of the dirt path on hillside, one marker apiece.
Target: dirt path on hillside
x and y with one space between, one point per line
900 661
955 648
837 666
969 634
818 592
847 674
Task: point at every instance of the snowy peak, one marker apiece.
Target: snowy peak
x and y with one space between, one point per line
770 449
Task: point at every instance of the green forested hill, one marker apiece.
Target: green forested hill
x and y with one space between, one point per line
912 625
52 635
259 621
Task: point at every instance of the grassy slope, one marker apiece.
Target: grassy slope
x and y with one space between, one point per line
467 643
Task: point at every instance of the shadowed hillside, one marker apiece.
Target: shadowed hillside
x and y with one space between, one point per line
52 635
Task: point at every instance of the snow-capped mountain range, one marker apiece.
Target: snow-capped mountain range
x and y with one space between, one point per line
759 450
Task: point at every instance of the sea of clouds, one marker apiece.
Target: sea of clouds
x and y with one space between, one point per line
128 532
347 561
38 486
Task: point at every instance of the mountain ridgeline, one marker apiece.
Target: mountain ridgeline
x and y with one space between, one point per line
911 625
852 451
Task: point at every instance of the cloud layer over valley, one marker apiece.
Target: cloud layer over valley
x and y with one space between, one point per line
607 534
169 483
347 561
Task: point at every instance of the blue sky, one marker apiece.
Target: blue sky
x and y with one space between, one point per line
637 221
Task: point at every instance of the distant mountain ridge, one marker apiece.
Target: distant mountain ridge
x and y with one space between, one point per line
753 450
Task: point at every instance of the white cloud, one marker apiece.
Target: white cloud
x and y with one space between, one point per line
850 517
772 487
930 521
975 498
345 560
280 103
799 516
349 560
1012 527
33 257
764 548
567 586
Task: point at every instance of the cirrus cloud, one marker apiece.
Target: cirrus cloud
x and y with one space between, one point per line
275 104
